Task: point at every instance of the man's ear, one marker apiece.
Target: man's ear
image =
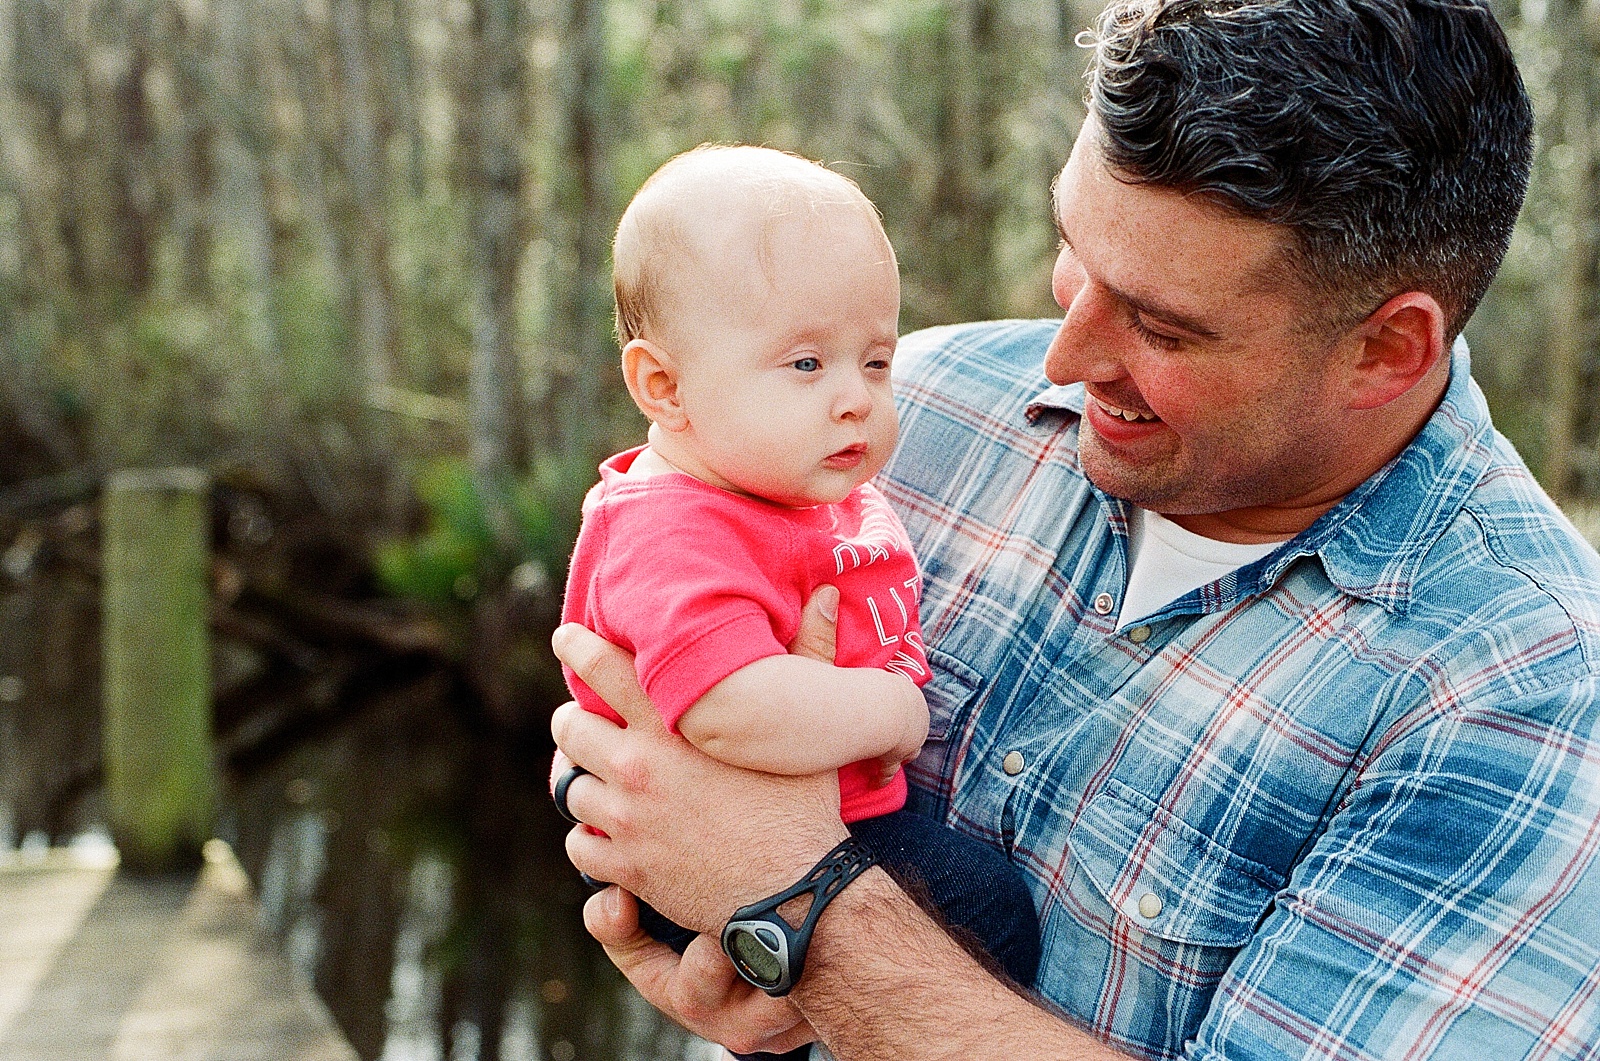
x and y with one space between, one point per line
652 380
1401 343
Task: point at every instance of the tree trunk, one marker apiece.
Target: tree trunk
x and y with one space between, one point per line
584 314
1572 329
964 200
193 167
376 327
496 119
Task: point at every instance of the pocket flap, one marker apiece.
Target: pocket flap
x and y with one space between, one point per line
948 692
1165 876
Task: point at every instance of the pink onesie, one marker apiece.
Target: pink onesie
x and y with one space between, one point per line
698 582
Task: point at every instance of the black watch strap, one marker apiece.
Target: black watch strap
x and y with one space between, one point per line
765 949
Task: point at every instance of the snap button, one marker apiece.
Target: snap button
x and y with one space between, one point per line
1103 604
1139 635
1013 763
1149 905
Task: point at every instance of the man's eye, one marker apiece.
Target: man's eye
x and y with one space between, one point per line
808 364
1153 337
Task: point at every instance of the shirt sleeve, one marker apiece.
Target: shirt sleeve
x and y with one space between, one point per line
1449 910
687 583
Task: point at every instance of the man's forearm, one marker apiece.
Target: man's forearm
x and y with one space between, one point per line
883 981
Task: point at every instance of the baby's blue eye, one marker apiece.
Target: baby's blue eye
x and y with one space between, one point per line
808 364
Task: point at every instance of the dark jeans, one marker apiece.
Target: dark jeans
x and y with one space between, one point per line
973 888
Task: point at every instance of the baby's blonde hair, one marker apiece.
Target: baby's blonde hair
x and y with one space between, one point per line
655 232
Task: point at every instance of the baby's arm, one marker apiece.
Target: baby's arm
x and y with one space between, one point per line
793 715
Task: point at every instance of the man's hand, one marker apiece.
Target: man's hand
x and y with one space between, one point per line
700 991
818 636
695 837
681 808
817 639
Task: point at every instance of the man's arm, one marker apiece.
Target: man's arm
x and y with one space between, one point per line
793 715
1446 910
874 944
754 834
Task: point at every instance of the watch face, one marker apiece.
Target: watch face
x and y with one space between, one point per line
761 952
769 952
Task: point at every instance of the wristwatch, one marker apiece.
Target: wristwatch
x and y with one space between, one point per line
766 950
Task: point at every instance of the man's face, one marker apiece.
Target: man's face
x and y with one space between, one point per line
1204 399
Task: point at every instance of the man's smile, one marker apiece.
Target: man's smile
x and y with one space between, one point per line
1124 414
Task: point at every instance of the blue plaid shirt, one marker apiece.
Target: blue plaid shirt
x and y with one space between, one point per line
1342 803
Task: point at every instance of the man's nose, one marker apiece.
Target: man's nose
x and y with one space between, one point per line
1084 347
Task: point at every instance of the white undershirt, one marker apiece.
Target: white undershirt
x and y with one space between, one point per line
1165 562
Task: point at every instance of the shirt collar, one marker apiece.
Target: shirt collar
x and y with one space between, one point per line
1372 543
1067 399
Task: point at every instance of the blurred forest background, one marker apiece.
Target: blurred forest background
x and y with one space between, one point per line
351 257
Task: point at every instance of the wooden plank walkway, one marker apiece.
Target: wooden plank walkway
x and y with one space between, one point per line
100 966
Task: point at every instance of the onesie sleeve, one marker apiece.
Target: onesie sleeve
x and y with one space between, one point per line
688 584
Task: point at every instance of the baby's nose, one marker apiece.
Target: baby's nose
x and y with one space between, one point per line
854 399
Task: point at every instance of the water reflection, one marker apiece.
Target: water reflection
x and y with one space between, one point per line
411 866
414 871
402 845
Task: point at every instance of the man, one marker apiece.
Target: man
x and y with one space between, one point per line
1253 644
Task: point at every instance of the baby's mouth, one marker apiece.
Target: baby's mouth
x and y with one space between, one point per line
848 457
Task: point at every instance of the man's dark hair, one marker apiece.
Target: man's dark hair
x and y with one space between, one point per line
1392 138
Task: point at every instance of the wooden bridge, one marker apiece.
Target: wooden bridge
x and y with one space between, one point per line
97 965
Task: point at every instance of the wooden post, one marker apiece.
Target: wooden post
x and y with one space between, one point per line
157 662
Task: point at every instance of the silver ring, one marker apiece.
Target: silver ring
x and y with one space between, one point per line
559 794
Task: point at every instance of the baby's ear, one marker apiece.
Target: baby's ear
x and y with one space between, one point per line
652 380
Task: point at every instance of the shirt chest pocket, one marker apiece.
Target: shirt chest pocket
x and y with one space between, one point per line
1166 878
1150 916
950 692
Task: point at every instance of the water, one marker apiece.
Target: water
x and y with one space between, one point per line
402 845
414 870
410 864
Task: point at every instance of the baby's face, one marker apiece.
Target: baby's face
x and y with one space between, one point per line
784 364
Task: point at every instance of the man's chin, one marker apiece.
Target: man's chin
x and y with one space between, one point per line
1146 487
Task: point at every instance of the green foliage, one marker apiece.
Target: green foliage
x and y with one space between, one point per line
313 334
434 282
249 342
477 534
443 565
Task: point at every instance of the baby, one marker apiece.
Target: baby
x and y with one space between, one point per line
758 305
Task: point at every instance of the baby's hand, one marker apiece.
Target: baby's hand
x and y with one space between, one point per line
911 740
